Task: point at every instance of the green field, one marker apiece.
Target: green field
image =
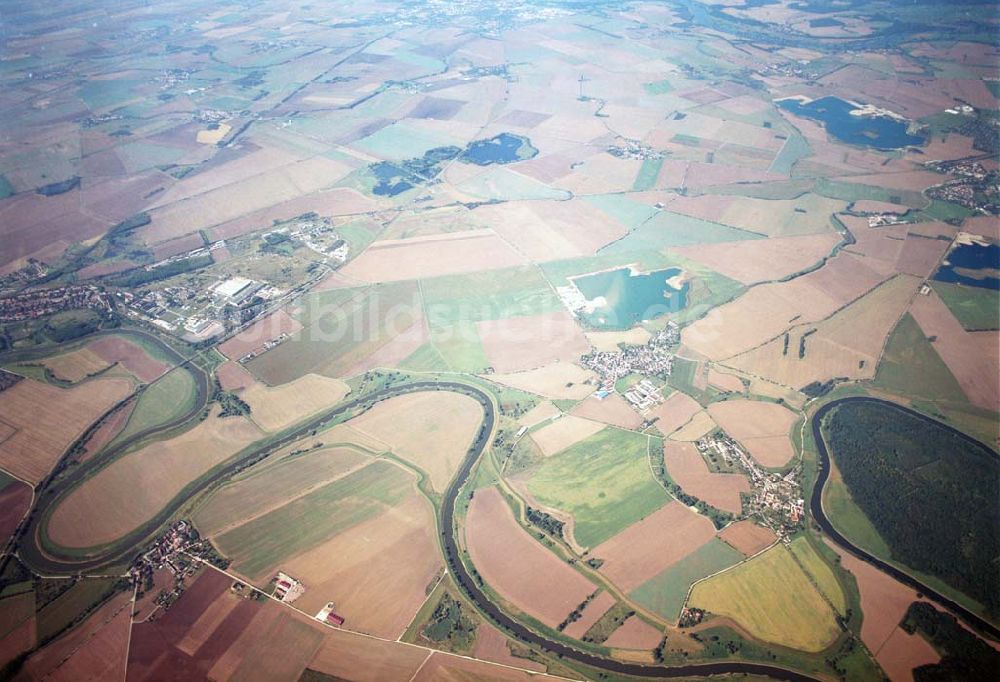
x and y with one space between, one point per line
849 519
604 481
424 359
668 229
796 147
665 593
853 192
911 367
820 572
459 347
645 179
658 87
71 605
488 295
976 308
165 399
773 599
256 547
628 212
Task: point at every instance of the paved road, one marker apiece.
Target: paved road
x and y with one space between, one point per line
816 506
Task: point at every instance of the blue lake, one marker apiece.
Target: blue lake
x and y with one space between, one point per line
878 132
975 265
502 148
631 298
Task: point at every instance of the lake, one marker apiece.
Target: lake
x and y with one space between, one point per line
975 265
619 299
878 132
502 148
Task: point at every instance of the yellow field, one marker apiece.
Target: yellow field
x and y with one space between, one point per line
773 599
558 380
274 408
699 425
563 432
76 365
820 572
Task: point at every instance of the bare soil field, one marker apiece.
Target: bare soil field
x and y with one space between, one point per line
564 432
270 485
725 382
256 335
234 377
76 365
634 634
597 607
274 408
539 583
747 537
131 356
133 488
759 260
613 410
763 428
444 668
848 344
539 413
674 412
519 343
375 572
107 431
99 634
558 380
431 430
689 470
491 645
47 419
608 341
972 357
347 656
43 227
985 226
917 180
647 547
397 349
22 638
178 246
432 256
15 498
903 652
920 255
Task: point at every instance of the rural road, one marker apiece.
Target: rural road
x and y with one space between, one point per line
816 506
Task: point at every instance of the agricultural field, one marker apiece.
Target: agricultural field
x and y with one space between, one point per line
274 408
773 599
603 481
687 468
764 428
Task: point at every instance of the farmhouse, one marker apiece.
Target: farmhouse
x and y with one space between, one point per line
287 588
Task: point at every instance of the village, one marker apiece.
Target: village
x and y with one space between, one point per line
775 499
41 302
654 358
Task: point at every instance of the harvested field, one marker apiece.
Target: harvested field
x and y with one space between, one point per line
972 357
634 634
564 432
759 260
107 506
686 466
903 652
283 652
432 256
347 656
847 344
651 545
613 410
394 351
491 645
608 341
597 607
15 498
256 335
270 485
697 428
99 633
76 365
431 430
747 537
920 255
674 412
444 668
763 428
539 413
539 583
375 572
275 408
46 420
560 380
233 376
773 599
519 343
131 356
108 430
725 382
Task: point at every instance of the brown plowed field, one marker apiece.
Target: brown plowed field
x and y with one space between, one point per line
397 349
130 356
920 255
613 410
233 376
14 501
595 609
47 419
564 432
747 537
107 431
674 412
539 413
444 668
538 583
634 634
972 357
375 572
558 380
760 260
133 488
903 652
725 382
283 653
647 547
519 343
256 335
491 645
691 473
102 657
699 426
763 428
432 430
19 640
347 656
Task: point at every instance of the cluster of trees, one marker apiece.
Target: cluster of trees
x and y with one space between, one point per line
963 655
450 624
932 494
545 521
